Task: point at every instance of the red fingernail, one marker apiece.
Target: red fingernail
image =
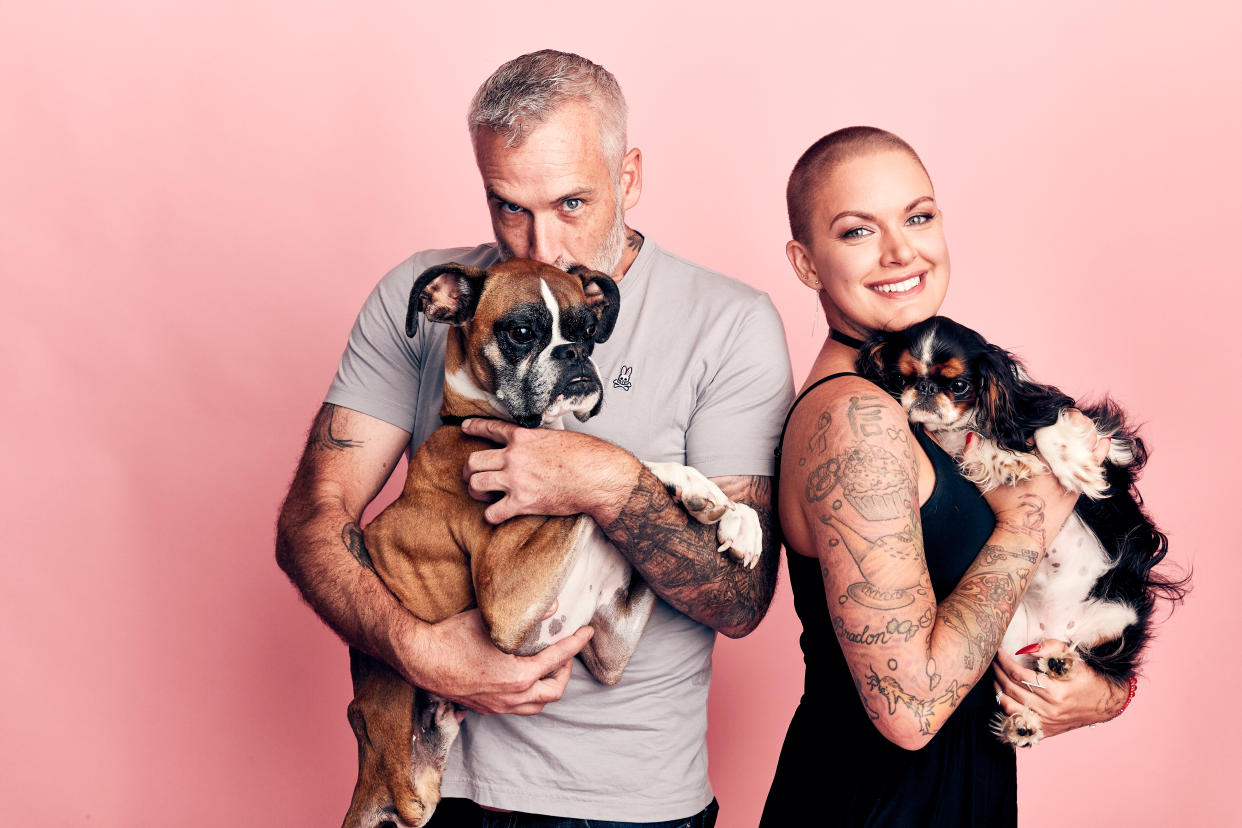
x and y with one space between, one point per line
1028 649
969 436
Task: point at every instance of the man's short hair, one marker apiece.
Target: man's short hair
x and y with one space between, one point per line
822 158
523 93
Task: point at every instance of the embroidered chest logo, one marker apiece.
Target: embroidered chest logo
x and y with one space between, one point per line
623 377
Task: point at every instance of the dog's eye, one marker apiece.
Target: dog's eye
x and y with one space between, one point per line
896 382
590 331
959 386
521 334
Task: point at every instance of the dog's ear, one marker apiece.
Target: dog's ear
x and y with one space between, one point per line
998 388
445 293
872 357
603 298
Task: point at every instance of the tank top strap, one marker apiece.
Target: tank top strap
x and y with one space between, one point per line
800 398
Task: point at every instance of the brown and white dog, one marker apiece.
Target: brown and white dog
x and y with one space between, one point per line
519 349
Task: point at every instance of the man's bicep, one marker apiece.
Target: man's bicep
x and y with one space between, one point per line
349 455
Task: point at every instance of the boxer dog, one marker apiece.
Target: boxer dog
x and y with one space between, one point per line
520 350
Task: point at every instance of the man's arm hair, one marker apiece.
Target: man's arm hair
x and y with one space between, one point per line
678 556
319 543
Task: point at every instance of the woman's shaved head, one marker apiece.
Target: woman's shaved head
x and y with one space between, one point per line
822 158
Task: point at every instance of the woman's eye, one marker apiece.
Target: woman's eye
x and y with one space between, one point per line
521 334
959 386
921 218
572 203
856 233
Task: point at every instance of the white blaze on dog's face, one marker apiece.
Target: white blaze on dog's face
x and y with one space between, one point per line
935 380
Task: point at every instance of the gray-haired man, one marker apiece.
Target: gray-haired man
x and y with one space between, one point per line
701 378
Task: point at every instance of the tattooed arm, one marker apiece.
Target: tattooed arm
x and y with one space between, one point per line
854 503
348 457
546 472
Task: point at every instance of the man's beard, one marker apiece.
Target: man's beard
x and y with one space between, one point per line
605 258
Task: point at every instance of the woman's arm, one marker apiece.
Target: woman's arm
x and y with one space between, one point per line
857 495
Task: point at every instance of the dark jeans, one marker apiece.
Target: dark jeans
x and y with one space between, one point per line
462 813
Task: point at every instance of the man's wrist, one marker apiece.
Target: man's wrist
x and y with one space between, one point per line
615 474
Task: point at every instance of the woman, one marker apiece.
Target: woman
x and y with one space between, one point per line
891 551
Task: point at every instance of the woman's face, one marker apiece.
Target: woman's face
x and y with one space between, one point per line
877 252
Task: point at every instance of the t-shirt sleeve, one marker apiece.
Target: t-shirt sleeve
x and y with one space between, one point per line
737 420
379 371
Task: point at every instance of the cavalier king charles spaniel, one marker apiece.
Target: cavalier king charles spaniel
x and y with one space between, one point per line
1095 588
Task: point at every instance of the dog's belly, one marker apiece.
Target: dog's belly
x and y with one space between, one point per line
1056 605
599 576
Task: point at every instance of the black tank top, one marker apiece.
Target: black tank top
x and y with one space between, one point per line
835 767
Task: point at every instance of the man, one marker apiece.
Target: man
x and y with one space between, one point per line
701 377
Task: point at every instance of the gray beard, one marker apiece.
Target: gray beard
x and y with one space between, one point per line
605 258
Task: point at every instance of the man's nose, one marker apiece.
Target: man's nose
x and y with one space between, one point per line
546 243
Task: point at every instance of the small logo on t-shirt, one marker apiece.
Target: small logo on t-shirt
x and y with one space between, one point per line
623 378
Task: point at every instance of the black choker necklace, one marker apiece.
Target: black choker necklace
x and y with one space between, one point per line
844 338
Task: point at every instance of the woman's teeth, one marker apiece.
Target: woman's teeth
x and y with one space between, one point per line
899 287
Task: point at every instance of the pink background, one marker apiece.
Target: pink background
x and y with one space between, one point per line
195 198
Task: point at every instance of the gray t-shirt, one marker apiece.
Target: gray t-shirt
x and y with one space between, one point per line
696 372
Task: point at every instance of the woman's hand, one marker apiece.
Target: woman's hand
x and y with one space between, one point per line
1086 698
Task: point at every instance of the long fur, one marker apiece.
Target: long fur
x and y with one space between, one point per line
1008 407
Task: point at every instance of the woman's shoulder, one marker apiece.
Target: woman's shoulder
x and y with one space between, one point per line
822 401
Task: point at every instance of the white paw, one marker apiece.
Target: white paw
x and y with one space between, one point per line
740 533
991 466
1067 451
702 498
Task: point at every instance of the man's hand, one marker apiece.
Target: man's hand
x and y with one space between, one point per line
1086 698
472 672
543 471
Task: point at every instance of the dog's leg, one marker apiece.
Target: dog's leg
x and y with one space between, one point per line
737 525
991 466
393 780
1068 453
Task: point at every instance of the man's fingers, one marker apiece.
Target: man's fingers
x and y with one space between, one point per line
488 460
482 484
552 657
498 431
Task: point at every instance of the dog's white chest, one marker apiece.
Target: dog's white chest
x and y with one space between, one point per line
598 575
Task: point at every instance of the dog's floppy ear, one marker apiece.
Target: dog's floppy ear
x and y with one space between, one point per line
603 298
998 378
445 293
872 357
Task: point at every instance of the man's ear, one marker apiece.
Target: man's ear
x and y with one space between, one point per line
445 293
603 298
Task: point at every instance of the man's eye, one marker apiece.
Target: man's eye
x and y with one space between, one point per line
509 207
521 334
959 386
572 203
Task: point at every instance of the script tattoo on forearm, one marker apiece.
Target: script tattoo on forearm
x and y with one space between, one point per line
321 436
352 537
667 546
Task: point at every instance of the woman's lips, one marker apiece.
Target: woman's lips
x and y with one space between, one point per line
901 287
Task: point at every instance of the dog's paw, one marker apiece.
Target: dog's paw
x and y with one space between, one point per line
991 466
1068 452
702 498
1020 730
1059 666
740 533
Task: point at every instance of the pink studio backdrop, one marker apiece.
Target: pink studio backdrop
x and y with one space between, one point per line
195 198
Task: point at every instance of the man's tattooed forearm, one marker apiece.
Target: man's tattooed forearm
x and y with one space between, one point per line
321 436
667 546
351 536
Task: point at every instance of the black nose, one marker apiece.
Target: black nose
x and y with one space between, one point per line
573 350
926 388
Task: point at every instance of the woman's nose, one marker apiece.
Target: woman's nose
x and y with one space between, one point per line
897 249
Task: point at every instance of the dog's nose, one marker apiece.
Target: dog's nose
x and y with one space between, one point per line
573 350
926 388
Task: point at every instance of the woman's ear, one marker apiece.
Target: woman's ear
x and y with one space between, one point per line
803 264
